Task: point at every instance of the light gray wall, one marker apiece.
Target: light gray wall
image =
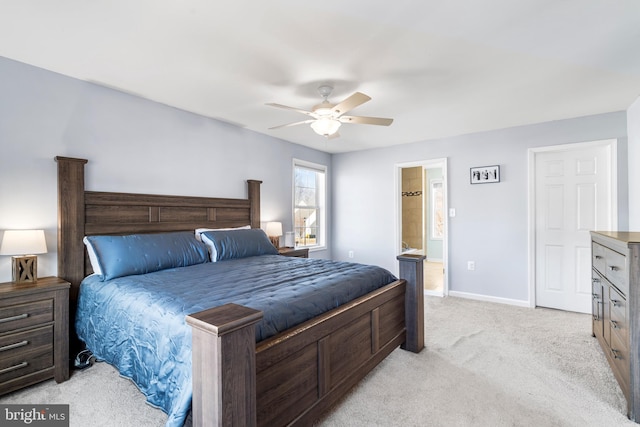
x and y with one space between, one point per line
133 145
633 126
490 226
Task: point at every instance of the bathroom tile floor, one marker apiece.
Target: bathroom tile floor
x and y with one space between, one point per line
433 276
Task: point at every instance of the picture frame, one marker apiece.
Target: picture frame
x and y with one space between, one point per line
485 174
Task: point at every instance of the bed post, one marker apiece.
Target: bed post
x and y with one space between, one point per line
412 271
224 366
71 221
254 199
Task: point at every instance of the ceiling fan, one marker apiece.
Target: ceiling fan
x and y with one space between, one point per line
326 118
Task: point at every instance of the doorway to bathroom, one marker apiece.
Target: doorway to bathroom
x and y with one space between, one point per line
422 219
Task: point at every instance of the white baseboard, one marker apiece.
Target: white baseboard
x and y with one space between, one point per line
478 297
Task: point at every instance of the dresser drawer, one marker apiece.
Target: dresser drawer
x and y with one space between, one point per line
18 316
597 257
616 270
25 352
620 355
618 315
34 333
597 325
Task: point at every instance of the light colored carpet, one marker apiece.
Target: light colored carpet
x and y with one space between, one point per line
485 365
489 364
97 396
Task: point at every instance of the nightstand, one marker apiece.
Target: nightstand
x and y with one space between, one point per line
293 252
34 333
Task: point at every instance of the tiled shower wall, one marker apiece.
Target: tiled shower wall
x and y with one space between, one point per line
412 206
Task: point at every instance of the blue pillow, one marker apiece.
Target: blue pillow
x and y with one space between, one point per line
119 256
238 244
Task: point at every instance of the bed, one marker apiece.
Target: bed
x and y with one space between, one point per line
288 377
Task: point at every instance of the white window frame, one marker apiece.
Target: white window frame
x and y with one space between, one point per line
436 195
321 236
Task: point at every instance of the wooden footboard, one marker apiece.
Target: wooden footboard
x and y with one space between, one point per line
293 377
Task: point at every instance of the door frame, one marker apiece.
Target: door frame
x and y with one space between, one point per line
612 145
426 164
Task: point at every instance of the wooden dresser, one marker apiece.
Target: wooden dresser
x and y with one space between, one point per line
34 333
616 301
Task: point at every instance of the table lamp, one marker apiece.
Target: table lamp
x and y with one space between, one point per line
274 231
24 268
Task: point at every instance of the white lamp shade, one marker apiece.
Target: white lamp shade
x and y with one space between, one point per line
325 126
274 229
23 242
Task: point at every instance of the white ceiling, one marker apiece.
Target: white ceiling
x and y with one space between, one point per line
438 67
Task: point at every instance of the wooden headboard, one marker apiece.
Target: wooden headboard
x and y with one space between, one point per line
84 213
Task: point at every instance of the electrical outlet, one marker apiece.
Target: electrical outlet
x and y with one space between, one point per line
350 254
471 265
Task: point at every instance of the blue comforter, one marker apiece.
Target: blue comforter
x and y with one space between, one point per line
137 323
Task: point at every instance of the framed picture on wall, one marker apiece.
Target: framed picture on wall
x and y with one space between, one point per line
485 174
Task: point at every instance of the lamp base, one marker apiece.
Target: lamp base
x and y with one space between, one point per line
275 241
24 269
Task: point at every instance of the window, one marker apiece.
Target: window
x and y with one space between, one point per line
437 210
309 204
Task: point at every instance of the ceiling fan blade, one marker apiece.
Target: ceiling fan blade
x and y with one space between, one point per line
366 120
293 124
350 103
308 113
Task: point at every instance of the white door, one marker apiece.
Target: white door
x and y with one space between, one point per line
574 194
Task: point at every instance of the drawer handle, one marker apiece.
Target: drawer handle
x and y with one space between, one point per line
12 318
598 257
595 280
596 317
596 296
615 303
614 324
613 268
616 354
14 367
16 345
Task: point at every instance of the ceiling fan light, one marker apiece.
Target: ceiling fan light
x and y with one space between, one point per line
325 126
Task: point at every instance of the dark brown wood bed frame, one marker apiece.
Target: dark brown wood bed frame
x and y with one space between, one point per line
289 379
